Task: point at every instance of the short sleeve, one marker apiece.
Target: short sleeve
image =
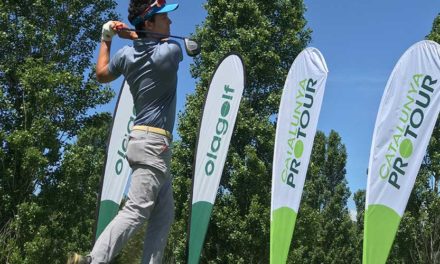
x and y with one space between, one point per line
116 64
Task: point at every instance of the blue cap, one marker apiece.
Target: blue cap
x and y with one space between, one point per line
155 10
165 9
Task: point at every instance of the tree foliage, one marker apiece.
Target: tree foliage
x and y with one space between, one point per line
51 149
340 245
324 232
435 32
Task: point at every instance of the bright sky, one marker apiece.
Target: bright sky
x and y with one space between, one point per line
361 42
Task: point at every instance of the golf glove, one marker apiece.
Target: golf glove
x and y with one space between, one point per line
107 31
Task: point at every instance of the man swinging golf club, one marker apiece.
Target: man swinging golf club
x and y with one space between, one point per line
150 68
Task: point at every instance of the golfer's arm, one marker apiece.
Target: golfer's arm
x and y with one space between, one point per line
102 73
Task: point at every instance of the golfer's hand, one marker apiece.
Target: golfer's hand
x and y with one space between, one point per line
107 32
117 26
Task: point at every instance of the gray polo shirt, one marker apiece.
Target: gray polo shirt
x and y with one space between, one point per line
150 69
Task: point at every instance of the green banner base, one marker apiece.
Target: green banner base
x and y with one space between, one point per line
281 232
381 223
200 215
108 209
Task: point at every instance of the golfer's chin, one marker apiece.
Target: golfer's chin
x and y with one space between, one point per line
164 32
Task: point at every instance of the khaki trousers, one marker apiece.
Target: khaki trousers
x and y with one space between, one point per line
150 198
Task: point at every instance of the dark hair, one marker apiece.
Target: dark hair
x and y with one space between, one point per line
135 9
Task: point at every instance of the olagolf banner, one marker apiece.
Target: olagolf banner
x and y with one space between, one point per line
296 127
407 114
219 114
117 170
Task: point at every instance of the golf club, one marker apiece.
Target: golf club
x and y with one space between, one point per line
192 48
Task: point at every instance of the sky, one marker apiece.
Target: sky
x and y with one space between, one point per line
361 42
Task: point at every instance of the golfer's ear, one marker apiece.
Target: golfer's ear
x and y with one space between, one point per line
149 25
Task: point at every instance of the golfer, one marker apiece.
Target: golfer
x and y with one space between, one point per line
150 68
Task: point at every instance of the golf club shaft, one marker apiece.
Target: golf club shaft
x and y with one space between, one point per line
192 48
152 33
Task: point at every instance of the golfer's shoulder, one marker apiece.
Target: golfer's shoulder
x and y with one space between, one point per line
125 50
123 53
173 43
170 49
172 46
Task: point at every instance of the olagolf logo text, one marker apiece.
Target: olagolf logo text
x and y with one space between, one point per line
220 130
119 165
411 118
299 122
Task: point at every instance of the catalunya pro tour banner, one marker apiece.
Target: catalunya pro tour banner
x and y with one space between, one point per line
219 114
117 169
296 126
407 114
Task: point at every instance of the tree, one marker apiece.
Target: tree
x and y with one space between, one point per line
48 160
435 32
359 200
324 232
60 218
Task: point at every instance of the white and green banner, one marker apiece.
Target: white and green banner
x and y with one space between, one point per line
407 114
296 127
117 170
219 114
